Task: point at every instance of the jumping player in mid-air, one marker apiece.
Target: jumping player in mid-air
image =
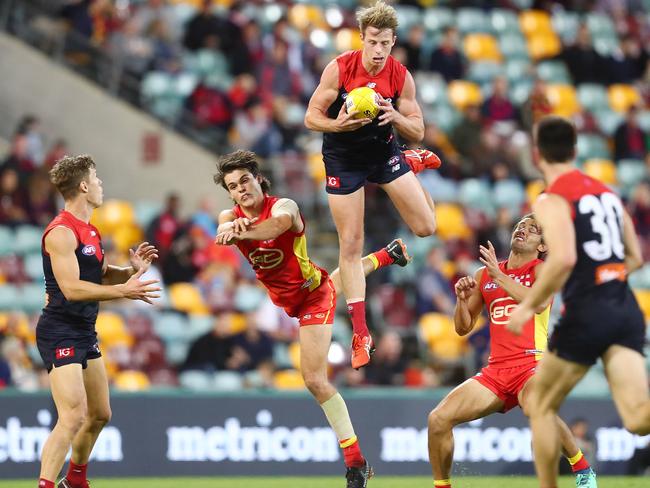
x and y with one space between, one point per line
77 277
592 247
359 150
270 233
506 381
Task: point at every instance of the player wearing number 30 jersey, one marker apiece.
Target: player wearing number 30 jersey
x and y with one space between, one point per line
592 247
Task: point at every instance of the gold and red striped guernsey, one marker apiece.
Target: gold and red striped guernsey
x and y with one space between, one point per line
509 350
282 264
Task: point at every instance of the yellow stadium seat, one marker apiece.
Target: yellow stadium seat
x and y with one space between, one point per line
448 269
603 170
112 215
187 298
131 381
109 325
316 167
294 354
126 237
544 45
347 40
439 333
289 379
462 94
563 99
302 16
643 297
622 97
237 323
534 22
451 222
534 189
481 47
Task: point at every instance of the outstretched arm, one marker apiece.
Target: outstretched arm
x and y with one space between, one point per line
60 244
141 258
469 302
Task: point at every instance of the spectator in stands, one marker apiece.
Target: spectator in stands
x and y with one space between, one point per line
584 63
58 150
251 348
498 232
629 139
498 107
413 47
388 364
30 127
41 201
163 228
466 138
13 202
628 63
157 11
446 59
536 106
639 207
23 375
211 351
434 292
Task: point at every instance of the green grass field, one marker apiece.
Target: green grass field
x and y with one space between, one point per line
331 482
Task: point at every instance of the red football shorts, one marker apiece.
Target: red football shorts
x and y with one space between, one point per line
319 307
506 383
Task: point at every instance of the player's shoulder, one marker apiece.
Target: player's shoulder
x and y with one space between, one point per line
60 237
227 215
575 184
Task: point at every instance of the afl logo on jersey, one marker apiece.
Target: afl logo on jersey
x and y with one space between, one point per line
89 250
266 258
491 286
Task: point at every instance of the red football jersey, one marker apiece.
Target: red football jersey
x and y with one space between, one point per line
508 350
597 214
282 264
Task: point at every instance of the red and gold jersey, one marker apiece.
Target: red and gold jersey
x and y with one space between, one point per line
509 350
282 264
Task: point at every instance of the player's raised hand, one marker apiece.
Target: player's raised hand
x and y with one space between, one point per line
134 289
142 257
345 122
464 287
242 224
520 315
389 112
226 238
489 259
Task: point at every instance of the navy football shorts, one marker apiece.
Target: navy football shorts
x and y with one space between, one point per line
380 164
588 329
64 344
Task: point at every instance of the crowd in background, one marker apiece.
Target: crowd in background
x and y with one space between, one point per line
252 95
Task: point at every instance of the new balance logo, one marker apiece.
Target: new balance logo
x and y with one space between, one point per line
395 168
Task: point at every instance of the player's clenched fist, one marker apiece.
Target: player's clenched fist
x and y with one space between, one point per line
464 287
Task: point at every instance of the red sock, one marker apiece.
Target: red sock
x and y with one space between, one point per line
381 258
76 474
352 454
357 311
581 464
43 483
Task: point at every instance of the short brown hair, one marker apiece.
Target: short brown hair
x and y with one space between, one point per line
246 160
380 16
69 171
556 139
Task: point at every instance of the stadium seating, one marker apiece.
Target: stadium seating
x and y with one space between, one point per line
288 379
602 169
563 99
464 93
27 239
131 381
451 222
622 97
187 298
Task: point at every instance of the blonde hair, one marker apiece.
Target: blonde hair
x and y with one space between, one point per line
69 172
380 16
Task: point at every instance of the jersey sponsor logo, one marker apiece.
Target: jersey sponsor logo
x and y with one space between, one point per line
501 309
371 84
89 250
491 286
64 352
334 182
610 272
266 258
394 169
93 233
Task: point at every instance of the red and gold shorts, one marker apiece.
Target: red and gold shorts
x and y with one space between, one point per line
506 383
319 307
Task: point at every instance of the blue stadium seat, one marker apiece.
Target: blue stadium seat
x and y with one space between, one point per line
444 116
553 72
630 172
483 72
28 239
591 146
33 264
518 70
593 97
641 279
436 19
472 20
644 120
227 381
171 327
407 17
475 193
431 88
441 189
607 46
6 240
594 383
504 21
146 211
566 25
176 352
195 380
600 26
520 92
198 325
510 194
9 297
608 120
513 46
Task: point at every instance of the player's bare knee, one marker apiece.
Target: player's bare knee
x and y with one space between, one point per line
73 418
351 246
437 423
101 417
637 424
315 383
